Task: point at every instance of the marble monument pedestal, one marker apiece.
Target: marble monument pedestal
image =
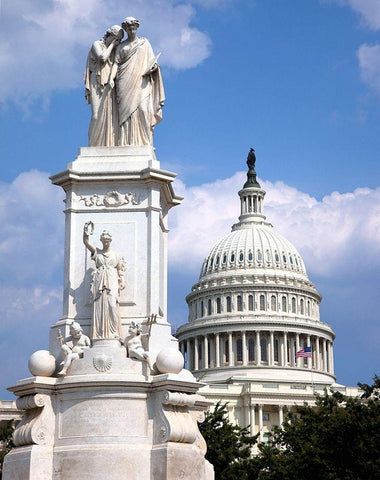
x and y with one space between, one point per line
111 422
112 417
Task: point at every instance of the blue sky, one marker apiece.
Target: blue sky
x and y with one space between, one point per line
298 80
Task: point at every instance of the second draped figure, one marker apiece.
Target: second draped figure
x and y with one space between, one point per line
124 87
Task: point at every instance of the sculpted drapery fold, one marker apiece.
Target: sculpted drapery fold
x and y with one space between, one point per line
140 96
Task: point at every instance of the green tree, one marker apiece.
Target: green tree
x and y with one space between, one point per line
228 446
338 439
6 431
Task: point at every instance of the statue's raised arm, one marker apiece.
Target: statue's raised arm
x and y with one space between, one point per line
88 230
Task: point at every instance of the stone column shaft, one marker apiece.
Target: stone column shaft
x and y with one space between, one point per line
309 359
261 424
258 349
244 347
298 360
205 343
318 353
188 355
280 414
217 350
230 352
196 354
271 353
285 349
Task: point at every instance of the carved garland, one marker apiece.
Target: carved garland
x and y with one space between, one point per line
110 199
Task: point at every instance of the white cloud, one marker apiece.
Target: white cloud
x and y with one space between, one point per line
369 62
44 48
337 235
369 10
31 238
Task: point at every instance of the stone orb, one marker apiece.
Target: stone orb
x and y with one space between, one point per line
41 363
169 360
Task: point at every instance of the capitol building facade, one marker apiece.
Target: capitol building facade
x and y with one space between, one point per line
252 309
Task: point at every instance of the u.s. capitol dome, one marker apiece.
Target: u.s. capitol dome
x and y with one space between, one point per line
252 309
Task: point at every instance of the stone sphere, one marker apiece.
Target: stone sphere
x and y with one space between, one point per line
41 363
169 360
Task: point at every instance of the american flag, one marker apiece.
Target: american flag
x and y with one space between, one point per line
304 353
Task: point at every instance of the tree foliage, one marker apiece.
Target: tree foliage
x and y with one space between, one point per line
6 431
228 445
338 439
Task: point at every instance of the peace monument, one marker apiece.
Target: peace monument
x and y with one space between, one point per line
110 398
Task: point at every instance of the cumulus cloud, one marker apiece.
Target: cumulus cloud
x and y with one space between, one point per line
369 62
369 11
45 43
335 235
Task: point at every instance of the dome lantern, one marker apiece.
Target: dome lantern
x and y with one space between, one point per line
251 197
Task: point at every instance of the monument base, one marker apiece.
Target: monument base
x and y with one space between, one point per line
109 425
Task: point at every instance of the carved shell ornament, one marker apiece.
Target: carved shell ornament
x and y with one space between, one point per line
102 363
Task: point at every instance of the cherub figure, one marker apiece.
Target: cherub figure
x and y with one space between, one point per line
73 346
134 345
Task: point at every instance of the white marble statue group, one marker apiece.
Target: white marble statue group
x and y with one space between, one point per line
107 282
124 87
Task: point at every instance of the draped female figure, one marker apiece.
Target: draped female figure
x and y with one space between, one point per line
139 88
103 130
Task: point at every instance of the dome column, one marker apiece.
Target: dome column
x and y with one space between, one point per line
217 350
230 352
318 354
205 343
285 343
298 360
244 348
196 354
331 358
271 353
309 359
258 348
324 354
188 354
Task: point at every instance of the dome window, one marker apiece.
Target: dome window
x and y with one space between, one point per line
284 257
232 257
241 256
202 309
211 263
291 259
295 258
293 305
217 261
276 256
259 256
251 350
267 254
273 303
225 258
283 304
229 304
302 307
250 256
262 302
209 309
239 303
218 305
250 302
